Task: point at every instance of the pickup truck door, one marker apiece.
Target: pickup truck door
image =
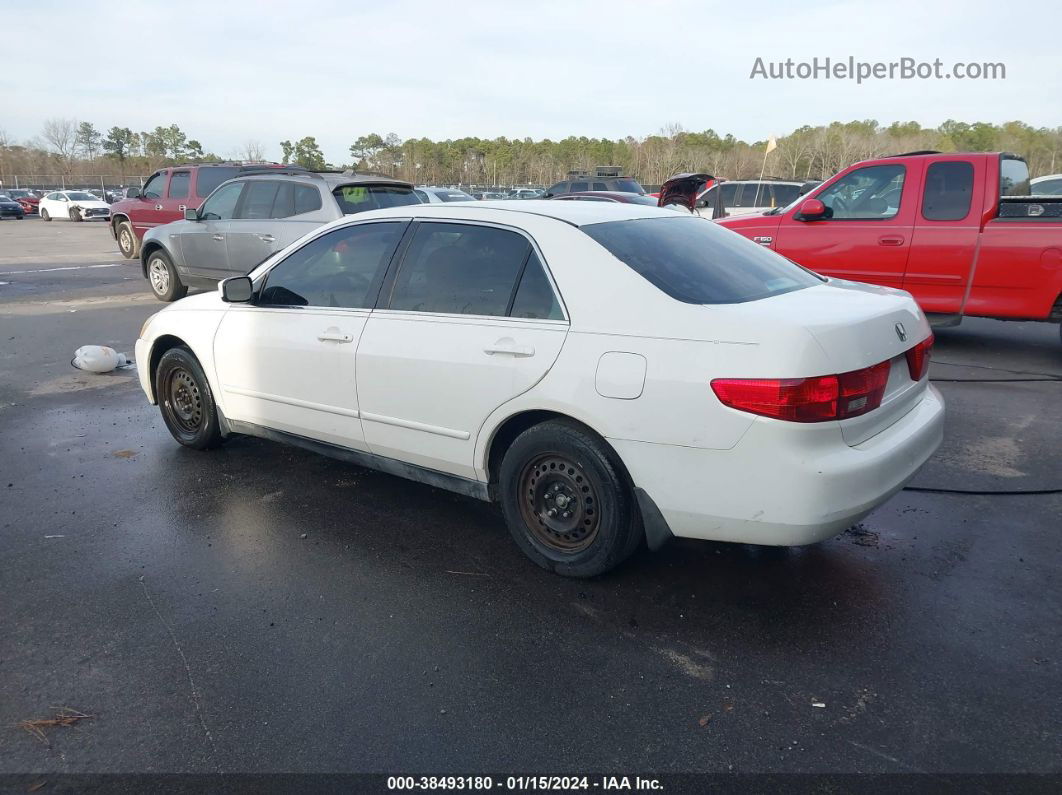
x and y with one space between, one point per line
867 236
148 210
947 229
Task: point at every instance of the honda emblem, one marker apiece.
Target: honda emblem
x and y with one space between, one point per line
901 332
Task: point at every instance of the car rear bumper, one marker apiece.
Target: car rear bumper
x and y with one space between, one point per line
783 484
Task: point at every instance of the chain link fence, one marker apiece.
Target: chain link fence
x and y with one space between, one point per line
49 182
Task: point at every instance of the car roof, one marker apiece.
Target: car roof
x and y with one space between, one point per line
332 180
569 212
1046 177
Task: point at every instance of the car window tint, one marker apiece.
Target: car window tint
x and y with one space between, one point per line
698 262
307 199
459 269
600 186
730 191
948 190
209 177
872 192
1013 176
258 200
154 187
222 204
560 187
535 297
339 269
627 186
1049 187
579 186
782 195
422 196
284 203
753 194
179 182
359 198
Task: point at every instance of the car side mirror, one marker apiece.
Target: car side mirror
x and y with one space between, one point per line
191 214
132 193
811 210
236 290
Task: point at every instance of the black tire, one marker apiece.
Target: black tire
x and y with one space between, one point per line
185 400
75 214
44 215
162 277
127 242
565 468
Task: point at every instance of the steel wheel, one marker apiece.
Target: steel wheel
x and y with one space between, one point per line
159 275
125 241
184 400
559 503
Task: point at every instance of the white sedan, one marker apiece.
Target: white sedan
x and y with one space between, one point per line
75 205
608 373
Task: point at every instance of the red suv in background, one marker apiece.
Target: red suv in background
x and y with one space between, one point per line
166 195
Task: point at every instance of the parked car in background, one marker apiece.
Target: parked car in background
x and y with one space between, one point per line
592 183
748 196
27 198
489 195
608 373
1050 185
429 194
73 205
166 195
526 193
248 219
615 197
9 208
959 231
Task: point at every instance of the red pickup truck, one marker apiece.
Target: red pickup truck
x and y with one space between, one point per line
959 231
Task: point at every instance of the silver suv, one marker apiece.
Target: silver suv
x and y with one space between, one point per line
249 218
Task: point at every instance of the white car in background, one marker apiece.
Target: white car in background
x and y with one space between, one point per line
73 205
608 373
748 196
1049 185
433 195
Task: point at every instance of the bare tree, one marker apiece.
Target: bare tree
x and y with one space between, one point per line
61 136
253 151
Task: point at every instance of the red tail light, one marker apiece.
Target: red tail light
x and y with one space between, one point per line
818 399
918 358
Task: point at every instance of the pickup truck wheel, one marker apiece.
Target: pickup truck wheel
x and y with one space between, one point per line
163 278
44 215
75 214
185 400
127 242
566 501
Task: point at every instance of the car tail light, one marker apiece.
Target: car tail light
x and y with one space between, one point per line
818 399
918 358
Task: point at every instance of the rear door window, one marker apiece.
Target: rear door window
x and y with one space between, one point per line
730 193
460 269
179 183
209 177
535 298
307 199
258 200
948 190
697 262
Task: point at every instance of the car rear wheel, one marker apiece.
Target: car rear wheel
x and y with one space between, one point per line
44 215
185 400
567 501
163 278
127 243
75 214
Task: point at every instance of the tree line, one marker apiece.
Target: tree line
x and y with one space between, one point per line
70 147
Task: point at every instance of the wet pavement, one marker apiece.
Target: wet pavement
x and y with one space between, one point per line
260 608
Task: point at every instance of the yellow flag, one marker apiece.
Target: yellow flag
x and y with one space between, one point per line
772 144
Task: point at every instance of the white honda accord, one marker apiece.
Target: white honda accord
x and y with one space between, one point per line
608 373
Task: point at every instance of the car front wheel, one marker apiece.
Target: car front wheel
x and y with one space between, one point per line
185 400
44 215
75 214
126 240
163 278
567 501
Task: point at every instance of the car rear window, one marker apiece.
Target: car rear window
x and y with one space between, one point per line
210 177
359 198
698 262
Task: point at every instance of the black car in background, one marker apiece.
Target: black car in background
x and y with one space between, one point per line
9 208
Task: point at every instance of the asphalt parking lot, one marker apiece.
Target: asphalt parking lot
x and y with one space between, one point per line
263 609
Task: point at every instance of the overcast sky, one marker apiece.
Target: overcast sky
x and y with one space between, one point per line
236 70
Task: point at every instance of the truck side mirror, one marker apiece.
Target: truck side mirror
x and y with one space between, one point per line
132 193
236 290
811 210
191 214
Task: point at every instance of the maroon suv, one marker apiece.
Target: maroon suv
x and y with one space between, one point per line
166 195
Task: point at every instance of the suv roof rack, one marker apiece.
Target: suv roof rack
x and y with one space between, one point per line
916 152
294 171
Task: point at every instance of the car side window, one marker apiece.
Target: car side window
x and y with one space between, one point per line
754 194
422 196
155 187
560 187
1049 187
257 200
948 190
222 203
600 186
209 177
307 199
868 193
179 183
580 186
340 269
459 269
535 297
730 192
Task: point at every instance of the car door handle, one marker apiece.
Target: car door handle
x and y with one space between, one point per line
890 240
182 207
334 335
158 206
266 238
510 348
219 237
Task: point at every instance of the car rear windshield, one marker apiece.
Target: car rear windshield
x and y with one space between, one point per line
695 261
359 198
